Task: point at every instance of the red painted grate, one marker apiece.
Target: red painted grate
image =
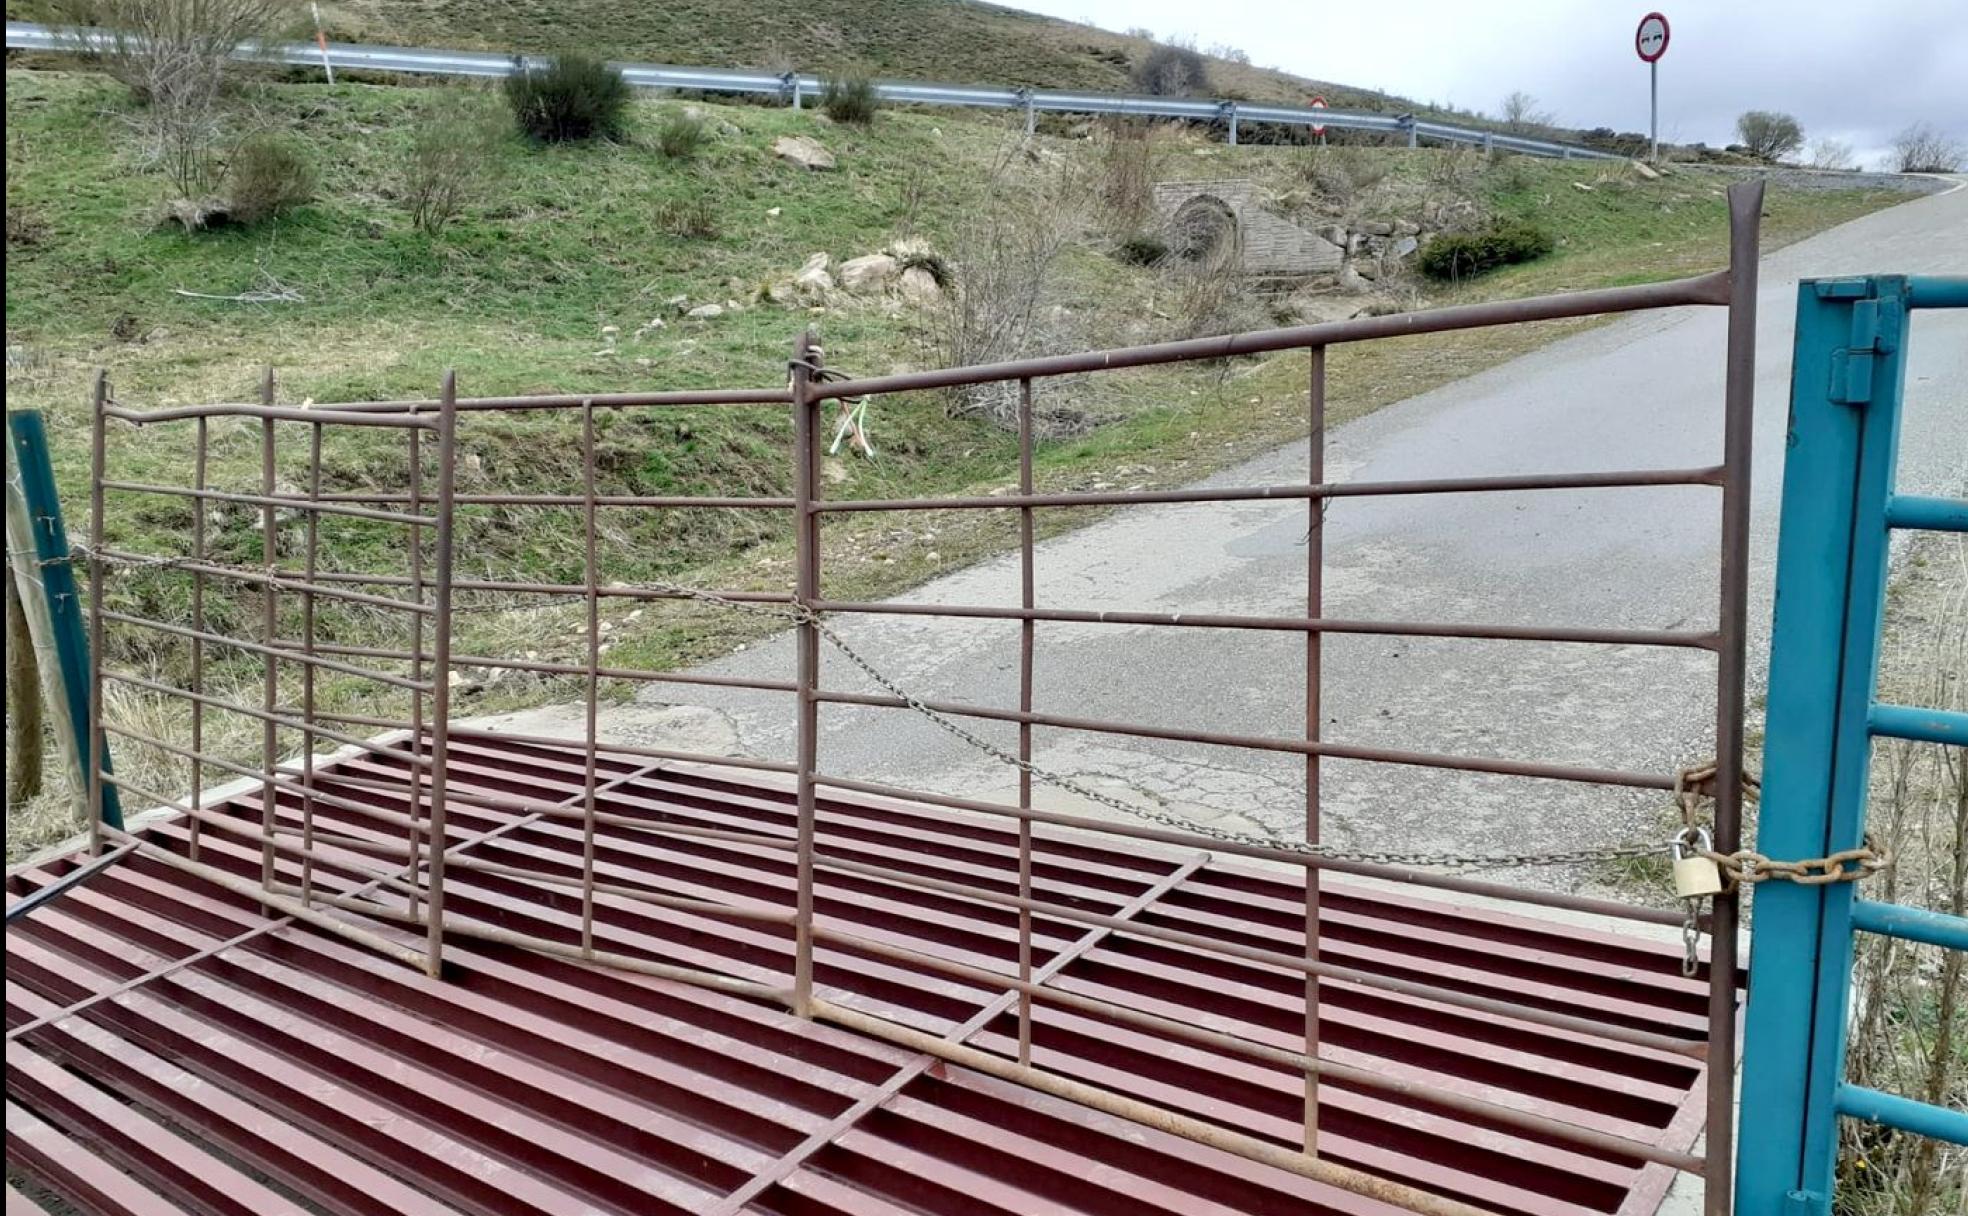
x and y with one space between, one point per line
171 1047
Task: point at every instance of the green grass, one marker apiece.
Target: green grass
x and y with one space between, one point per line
515 295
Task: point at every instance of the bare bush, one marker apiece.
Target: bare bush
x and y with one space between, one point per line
1521 112
448 164
1769 134
1829 153
174 55
1922 149
1127 174
1005 259
1172 71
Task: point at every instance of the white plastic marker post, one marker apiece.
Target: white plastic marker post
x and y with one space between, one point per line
1318 102
321 40
1650 41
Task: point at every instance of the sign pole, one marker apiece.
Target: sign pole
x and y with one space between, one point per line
1654 111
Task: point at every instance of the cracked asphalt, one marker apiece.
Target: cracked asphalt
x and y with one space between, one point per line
1642 391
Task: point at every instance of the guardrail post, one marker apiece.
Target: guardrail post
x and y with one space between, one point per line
791 87
1846 378
1031 111
1230 118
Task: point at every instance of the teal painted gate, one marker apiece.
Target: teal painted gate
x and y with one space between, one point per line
1839 513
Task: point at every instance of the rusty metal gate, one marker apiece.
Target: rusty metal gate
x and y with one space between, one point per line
511 874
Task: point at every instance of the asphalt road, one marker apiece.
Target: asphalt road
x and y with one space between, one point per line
1643 391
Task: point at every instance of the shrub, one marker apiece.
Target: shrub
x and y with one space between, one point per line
1142 249
1172 71
448 163
681 135
1467 254
850 99
574 97
1768 134
265 176
1922 149
688 218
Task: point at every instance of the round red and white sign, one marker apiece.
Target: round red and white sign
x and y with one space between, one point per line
1318 103
1650 40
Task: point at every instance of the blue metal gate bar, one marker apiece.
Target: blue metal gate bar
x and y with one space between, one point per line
1847 383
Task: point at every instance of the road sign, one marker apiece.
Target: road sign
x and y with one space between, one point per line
1650 40
1318 103
1650 43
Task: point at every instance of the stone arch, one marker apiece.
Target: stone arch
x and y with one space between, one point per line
1204 228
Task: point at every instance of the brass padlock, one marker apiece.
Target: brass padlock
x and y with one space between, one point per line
1695 876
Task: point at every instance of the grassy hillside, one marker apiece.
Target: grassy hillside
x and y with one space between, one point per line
959 41
519 293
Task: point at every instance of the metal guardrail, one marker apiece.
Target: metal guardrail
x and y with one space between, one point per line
795 87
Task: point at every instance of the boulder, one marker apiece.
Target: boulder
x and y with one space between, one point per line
1351 280
704 312
1334 234
1405 246
1646 170
868 273
919 286
804 151
1376 227
815 277
1314 309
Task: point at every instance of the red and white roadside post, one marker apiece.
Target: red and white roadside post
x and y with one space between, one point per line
1318 102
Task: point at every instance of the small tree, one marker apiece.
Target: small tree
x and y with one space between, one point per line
174 56
1521 112
1922 149
1768 134
1172 71
1828 153
574 97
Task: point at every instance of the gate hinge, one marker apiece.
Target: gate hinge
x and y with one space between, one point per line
1875 330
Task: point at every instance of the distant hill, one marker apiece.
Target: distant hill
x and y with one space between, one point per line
957 41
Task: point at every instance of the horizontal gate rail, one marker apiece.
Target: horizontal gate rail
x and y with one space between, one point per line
1839 511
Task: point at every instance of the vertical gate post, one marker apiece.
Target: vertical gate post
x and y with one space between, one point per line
1846 378
806 534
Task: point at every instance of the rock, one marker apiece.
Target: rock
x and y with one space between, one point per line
1314 309
1333 234
704 312
870 272
1406 228
679 303
1366 269
919 286
772 213
1405 246
1376 228
1646 170
911 247
1582 187
804 151
1351 280
195 215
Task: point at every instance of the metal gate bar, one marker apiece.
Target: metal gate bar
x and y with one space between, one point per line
320 872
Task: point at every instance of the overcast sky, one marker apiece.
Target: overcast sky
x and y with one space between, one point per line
1854 70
